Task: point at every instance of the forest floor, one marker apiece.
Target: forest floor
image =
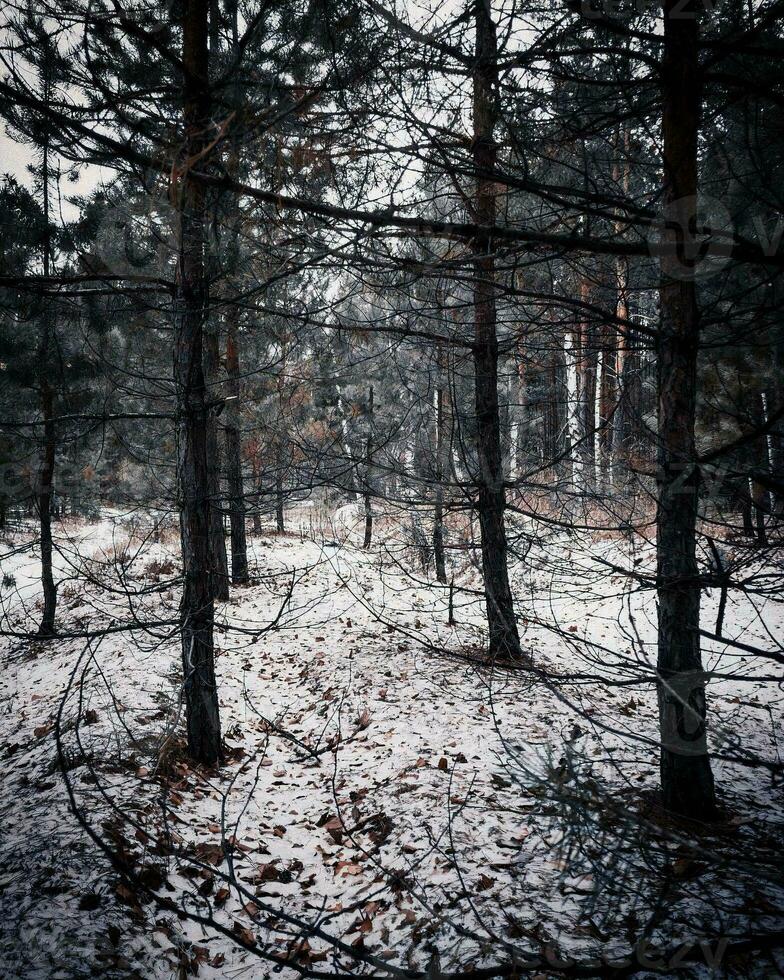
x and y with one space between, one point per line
385 787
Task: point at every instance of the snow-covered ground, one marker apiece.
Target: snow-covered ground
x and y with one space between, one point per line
385 788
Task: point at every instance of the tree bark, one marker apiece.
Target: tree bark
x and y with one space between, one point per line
280 511
777 435
746 511
617 375
256 481
760 497
573 414
46 475
686 777
556 421
772 445
239 544
232 431
586 378
44 495
281 441
220 562
191 296
519 429
607 400
368 466
623 419
504 639
761 454
442 445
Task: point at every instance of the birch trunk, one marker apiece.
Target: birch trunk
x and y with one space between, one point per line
572 355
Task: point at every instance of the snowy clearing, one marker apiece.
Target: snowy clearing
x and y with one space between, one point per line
382 783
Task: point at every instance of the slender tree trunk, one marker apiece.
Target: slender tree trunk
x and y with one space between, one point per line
44 495
256 480
220 562
351 483
573 413
686 777
232 432
212 368
442 445
556 430
368 467
771 449
618 426
746 514
281 441
504 639
239 545
280 511
761 456
635 429
607 400
621 415
773 403
519 409
586 384
46 475
191 296
760 497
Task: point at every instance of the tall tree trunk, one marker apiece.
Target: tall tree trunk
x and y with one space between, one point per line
191 296
504 639
607 400
368 467
351 483
281 445
617 435
232 432
771 449
746 510
519 409
233 445
256 482
442 449
761 454
573 415
280 511
760 498
212 343
46 475
220 562
586 383
556 415
686 777
621 416
44 494
773 402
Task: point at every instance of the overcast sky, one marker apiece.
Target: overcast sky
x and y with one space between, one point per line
14 158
